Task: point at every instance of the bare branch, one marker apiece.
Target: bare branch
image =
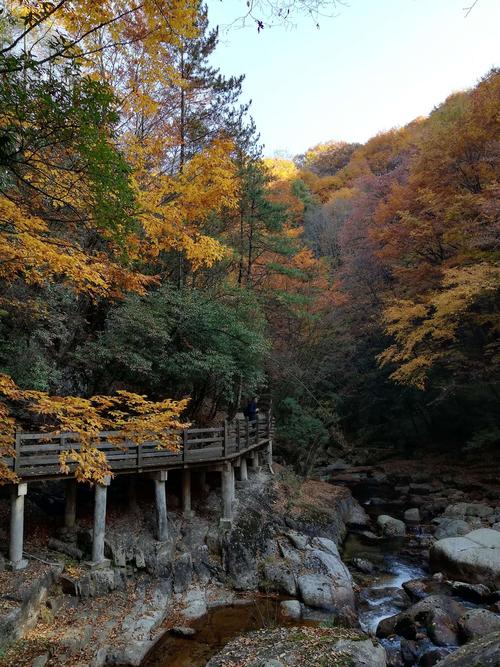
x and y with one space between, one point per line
468 10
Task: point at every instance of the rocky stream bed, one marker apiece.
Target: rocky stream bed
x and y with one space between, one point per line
409 576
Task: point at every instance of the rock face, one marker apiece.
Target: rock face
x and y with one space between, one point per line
391 527
288 551
483 652
473 558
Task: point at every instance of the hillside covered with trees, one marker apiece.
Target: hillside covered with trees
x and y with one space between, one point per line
155 267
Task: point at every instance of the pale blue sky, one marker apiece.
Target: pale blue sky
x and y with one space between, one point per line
376 65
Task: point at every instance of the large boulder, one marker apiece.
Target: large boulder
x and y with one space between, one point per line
478 623
474 558
320 591
391 527
449 527
438 615
484 652
328 582
469 509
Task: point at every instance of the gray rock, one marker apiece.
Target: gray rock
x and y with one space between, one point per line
477 623
140 561
279 577
412 650
484 652
363 565
41 660
474 558
439 614
469 510
298 540
183 573
65 548
391 527
412 515
320 591
363 653
291 609
471 592
433 656
324 544
273 663
330 565
449 527
357 517
288 552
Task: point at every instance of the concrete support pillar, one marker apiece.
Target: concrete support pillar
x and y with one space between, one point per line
243 469
101 491
227 503
254 460
233 485
270 456
70 507
186 493
161 505
17 527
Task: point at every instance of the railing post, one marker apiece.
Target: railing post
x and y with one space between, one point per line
257 428
247 433
17 459
139 455
238 435
184 444
226 438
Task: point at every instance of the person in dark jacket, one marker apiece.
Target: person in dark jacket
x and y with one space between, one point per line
251 409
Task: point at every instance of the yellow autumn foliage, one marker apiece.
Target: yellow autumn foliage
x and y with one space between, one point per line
424 331
132 416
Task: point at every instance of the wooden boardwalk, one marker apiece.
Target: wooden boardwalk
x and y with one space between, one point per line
221 448
37 454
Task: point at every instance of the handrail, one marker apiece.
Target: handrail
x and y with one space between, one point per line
37 454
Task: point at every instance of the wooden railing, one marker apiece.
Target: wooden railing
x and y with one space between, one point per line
37 454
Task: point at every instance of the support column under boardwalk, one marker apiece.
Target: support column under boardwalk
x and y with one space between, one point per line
161 505
243 469
70 507
17 561
186 493
227 496
254 461
101 491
